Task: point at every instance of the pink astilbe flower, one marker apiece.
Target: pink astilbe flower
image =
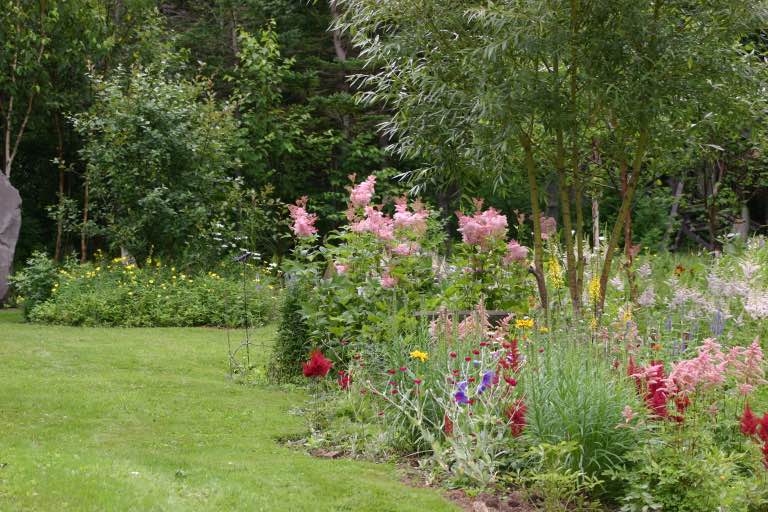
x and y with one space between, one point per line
515 252
548 227
387 281
406 248
360 196
628 414
415 221
375 222
303 222
705 371
483 227
475 325
442 326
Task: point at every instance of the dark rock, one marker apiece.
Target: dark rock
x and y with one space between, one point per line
10 223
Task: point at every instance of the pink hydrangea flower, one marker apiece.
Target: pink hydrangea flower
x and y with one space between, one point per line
375 222
515 252
415 221
483 227
303 222
360 196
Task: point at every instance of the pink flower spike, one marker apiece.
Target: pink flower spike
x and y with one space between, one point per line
303 222
628 414
360 195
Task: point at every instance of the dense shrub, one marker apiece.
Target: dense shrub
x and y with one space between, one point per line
293 343
151 295
35 283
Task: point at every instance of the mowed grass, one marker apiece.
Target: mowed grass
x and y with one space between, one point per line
146 420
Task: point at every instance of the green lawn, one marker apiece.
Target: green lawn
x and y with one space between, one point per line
145 419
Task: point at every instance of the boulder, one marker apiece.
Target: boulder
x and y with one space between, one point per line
10 223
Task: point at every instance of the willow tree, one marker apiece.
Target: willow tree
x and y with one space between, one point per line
544 79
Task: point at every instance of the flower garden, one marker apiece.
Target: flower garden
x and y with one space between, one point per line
656 401
384 255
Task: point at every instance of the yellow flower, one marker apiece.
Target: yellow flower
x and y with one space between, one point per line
524 323
555 273
421 356
628 313
593 323
594 289
543 330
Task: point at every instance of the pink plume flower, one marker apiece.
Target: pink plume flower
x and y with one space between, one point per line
483 227
415 221
515 252
628 414
387 281
548 227
406 249
303 222
375 222
360 196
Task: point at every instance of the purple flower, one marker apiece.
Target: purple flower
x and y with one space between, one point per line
461 395
486 382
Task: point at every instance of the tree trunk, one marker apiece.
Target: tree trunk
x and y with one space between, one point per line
626 203
84 228
61 166
673 214
538 246
338 42
595 225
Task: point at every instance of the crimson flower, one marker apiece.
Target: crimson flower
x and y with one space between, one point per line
516 417
749 422
447 425
344 379
763 432
317 366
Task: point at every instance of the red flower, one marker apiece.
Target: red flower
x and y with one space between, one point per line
417 381
471 379
391 372
765 455
447 425
763 431
344 379
681 403
516 417
476 352
467 359
394 391
317 366
658 403
403 368
509 380
749 422
452 354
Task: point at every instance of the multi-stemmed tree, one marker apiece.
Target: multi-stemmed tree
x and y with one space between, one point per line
522 87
